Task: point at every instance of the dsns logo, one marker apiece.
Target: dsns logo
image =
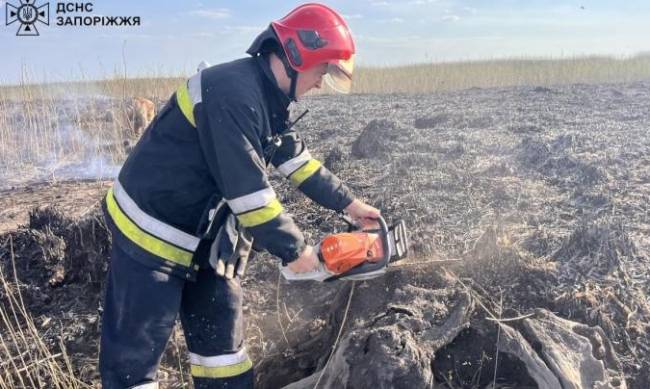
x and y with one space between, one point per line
28 14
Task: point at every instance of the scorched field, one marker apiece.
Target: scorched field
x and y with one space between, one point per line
541 193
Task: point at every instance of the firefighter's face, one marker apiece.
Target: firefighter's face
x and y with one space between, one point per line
310 79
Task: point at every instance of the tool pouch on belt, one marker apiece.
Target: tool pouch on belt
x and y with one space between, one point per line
214 215
231 248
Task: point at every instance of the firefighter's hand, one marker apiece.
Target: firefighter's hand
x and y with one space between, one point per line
363 214
307 261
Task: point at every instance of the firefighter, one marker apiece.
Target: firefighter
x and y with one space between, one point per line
194 196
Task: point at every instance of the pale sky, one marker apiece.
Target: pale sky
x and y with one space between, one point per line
176 35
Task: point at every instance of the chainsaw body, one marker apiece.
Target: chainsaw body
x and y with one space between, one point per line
342 252
357 255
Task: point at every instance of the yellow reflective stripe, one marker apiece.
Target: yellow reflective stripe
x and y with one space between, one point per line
262 215
148 242
221 371
304 172
185 103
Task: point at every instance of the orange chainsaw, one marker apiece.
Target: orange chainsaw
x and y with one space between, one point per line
357 254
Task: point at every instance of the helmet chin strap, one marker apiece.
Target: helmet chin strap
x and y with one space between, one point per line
292 74
292 89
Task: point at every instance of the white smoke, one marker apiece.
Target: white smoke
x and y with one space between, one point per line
45 142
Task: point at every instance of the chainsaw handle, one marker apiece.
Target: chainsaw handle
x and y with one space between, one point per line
370 267
353 226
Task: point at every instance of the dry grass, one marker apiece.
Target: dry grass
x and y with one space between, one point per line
428 78
45 127
26 361
156 88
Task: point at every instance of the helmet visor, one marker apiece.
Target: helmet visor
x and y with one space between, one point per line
339 75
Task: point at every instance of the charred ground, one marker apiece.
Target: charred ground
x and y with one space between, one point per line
543 192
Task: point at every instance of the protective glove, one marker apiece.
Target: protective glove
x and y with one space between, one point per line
231 248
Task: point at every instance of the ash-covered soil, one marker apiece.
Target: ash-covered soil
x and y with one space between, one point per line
543 192
75 198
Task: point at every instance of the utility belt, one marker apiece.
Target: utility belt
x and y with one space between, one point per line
220 242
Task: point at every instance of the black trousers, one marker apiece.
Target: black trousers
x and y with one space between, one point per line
140 309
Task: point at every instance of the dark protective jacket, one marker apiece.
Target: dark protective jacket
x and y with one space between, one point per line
206 145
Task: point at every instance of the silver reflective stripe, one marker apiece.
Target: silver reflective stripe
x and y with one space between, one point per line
194 88
252 201
148 385
219 360
295 163
151 225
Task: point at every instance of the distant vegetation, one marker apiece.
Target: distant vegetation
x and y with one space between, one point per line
436 77
418 78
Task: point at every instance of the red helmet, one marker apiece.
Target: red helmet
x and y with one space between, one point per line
313 34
